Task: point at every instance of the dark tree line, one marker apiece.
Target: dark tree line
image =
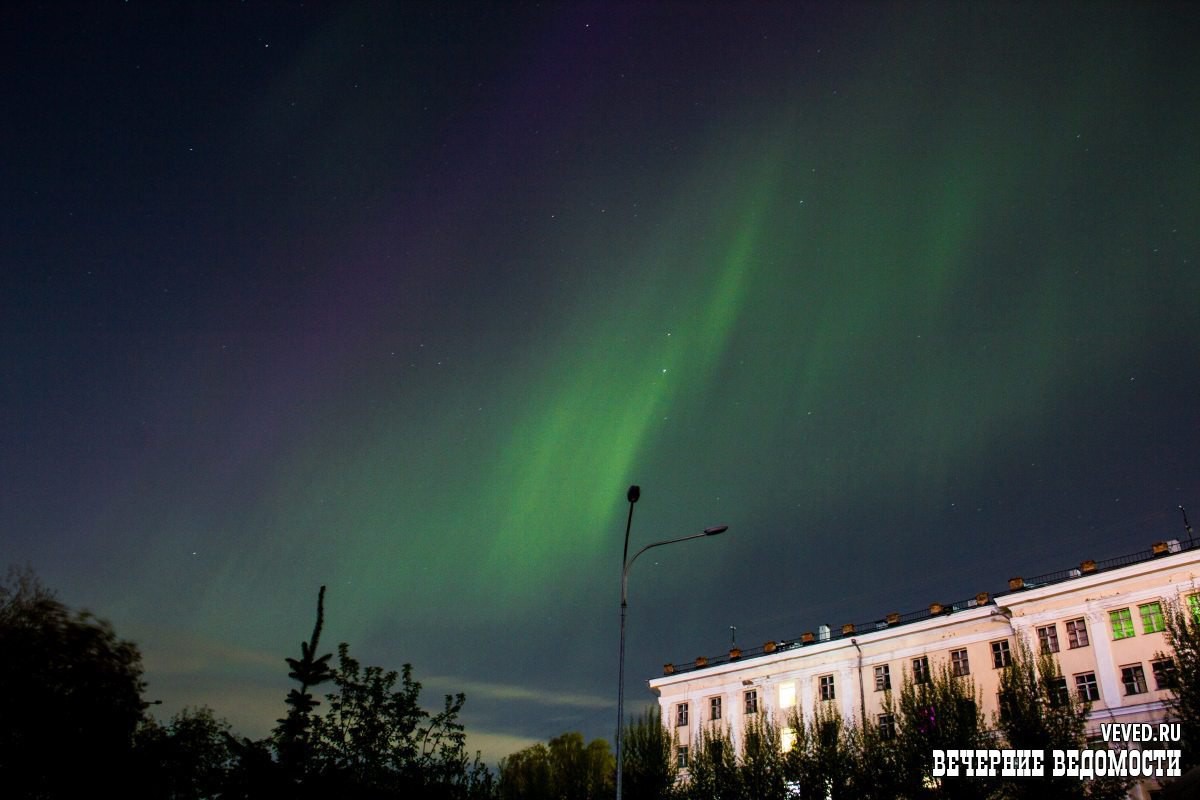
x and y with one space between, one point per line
73 723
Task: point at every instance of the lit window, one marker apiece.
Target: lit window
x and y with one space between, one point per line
1077 633
1122 623
714 708
787 739
887 727
681 715
1165 676
1085 684
920 670
827 692
681 756
751 698
1193 602
1134 678
1001 656
883 678
1152 618
787 695
959 665
1048 638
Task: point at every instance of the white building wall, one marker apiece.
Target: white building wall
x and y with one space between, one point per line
1090 597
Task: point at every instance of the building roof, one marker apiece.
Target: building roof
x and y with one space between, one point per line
1086 568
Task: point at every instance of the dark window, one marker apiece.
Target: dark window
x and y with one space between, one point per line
1056 690
1085 684
1077 633
714 708
681 756
1048 638
681 715
883 678
921 670
1001 656
827 692
887 727
1164 674
959 665
1134 678
751 698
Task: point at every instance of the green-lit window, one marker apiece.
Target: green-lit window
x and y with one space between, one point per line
1194 606
1122 623
1152 618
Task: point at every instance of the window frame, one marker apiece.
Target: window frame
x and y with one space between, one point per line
1135 675
883 678
920 668
886 725
750 701
1124 618
1048 638
714 708
827 687
681 715
682 756
1057 691
1152 617
1001 654
960 663
1077 633
1166 677
1087 680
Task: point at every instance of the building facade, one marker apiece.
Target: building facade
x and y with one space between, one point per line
1104 621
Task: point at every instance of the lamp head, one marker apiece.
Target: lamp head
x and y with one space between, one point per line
714 530
633 494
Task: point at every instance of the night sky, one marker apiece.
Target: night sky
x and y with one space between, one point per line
400 298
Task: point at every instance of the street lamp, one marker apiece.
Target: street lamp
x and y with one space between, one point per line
626 563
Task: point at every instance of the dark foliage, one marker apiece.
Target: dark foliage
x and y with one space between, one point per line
190 758
70 694
649 758
563 770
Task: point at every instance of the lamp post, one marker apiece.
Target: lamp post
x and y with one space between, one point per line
626 562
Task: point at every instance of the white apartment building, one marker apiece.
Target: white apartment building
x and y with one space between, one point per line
1104 621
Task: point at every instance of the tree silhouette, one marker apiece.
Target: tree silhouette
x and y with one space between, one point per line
187 759
649 761
68 687
293 732
563 770
1039 712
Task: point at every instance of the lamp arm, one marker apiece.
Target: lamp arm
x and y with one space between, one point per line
629 564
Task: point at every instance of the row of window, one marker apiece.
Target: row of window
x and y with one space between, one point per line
1133 678
749 706
1077 636
1122 620
960 665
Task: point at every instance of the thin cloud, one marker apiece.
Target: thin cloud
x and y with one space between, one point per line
505 691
